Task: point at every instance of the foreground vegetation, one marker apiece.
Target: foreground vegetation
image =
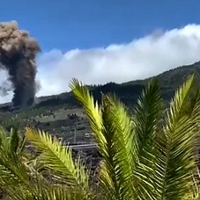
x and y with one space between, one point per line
142 157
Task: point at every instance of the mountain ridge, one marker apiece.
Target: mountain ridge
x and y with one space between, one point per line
128 91
168 80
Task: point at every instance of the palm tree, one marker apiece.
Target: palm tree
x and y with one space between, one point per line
141 158
16 166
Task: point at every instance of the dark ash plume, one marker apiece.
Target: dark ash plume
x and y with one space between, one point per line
17 55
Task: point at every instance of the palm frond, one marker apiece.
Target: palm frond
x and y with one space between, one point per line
4 140
117 164
176 160
147 114
13 172
112 132
92 110
14 140
58 158
61 192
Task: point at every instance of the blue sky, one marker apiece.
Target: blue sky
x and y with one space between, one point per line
69 24
99 41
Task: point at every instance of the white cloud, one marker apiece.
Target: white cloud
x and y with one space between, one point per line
138 59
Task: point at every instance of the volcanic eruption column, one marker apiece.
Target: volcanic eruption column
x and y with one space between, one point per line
17 55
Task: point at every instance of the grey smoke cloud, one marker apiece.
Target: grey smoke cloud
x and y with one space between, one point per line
17 56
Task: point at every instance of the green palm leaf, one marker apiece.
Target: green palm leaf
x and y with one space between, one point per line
58 158
61 192
92 110
147 114
112 128
176 160
13 172
117 164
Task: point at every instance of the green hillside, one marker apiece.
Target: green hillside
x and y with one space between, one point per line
62 115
